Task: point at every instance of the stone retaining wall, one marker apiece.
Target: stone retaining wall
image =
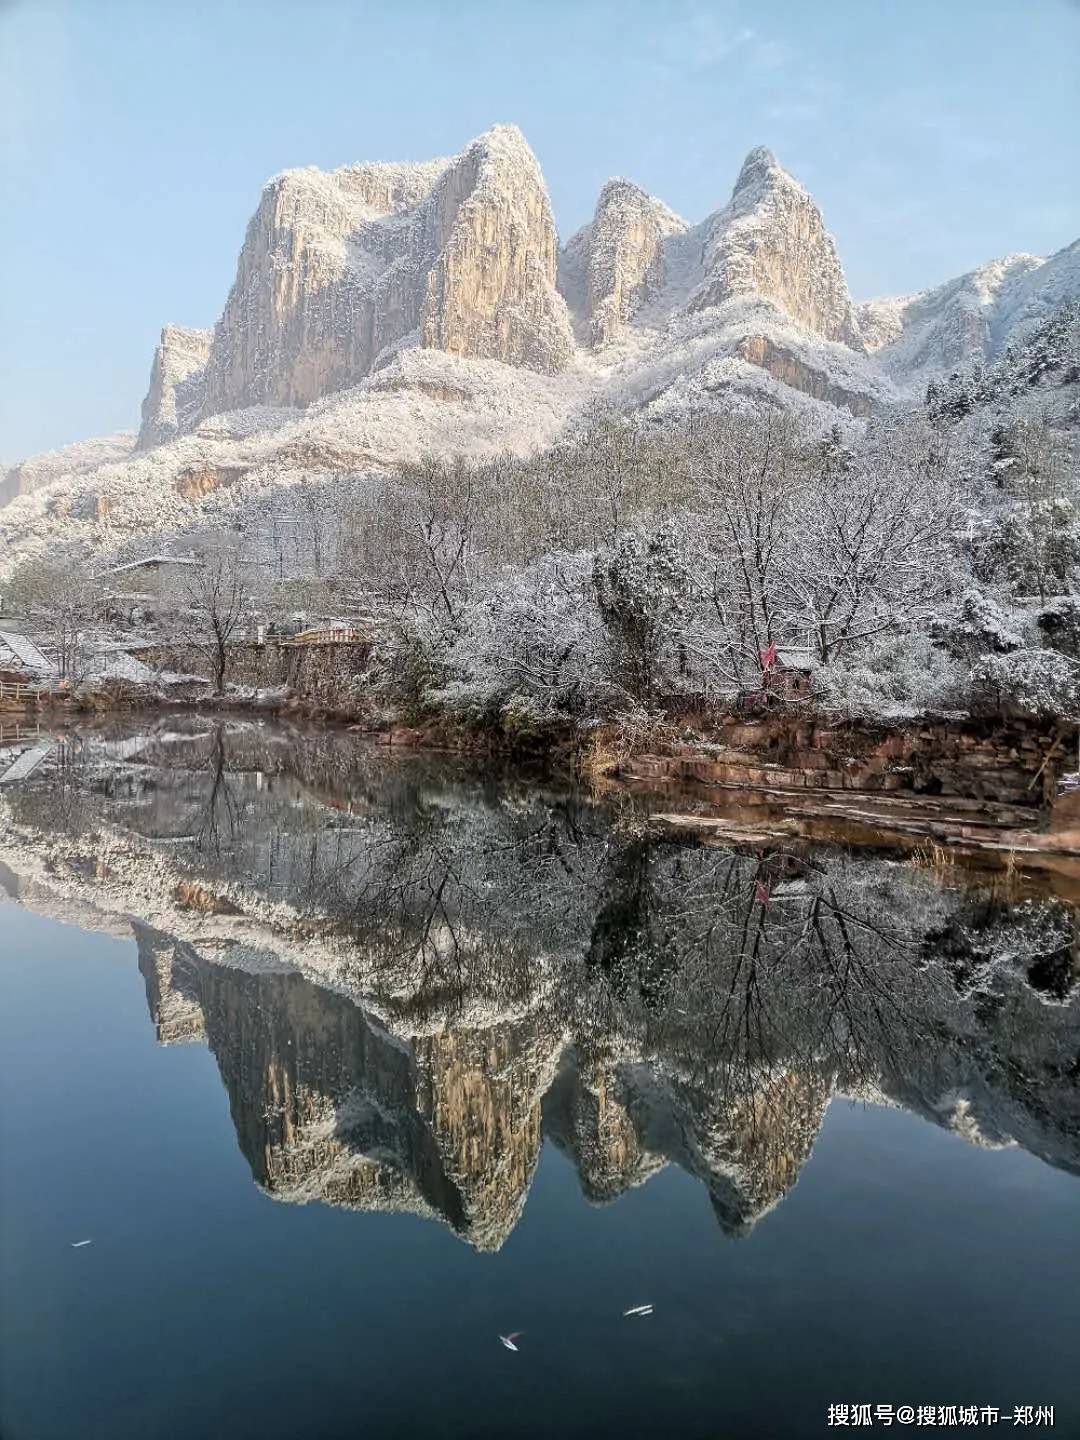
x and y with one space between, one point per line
1012 763
326 674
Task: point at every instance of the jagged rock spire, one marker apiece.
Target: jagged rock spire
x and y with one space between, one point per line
770 241
616 262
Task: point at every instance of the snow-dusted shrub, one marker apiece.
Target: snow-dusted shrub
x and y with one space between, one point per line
978 624
1038 682
406 667
1060 623
526 722
628 732
533 641
893 676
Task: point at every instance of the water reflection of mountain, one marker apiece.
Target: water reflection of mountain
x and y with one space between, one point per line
410 978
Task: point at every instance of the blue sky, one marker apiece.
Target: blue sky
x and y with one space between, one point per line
135 136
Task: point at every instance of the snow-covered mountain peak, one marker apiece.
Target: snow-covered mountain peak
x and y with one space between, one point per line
615 264
339 268
618 190
505 140
970 318
760 171
771 241
988 279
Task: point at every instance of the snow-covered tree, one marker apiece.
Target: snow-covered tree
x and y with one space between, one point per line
1042 683
894 674
532 647
60 602
638 580
875 541
1030 540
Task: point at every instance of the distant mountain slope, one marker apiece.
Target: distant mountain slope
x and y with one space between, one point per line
972 318
70 460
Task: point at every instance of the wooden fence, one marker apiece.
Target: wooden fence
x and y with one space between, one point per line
24 692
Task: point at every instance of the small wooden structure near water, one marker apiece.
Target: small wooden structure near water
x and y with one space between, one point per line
25 671
329 635
21 661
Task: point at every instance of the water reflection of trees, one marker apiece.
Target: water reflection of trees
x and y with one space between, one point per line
660 1002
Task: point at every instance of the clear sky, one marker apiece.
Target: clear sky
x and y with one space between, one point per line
135 136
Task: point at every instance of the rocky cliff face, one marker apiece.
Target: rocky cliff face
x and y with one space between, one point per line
323 282
338 269
489 233
480 1093
341 270
791 370
177 384
170 972
616 263
770 241
588 1114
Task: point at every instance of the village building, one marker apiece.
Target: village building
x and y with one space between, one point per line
21 661
149 584
337 632
791 675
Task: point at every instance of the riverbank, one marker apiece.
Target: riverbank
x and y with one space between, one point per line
977 791
992 760
944 792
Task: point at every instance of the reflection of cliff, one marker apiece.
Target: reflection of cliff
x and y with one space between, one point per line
407 996
621 1127
589 1113
172 986
481 1094
328 1106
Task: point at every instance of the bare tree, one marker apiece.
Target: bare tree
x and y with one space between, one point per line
749 478
439 551
60 601
216 601
874 542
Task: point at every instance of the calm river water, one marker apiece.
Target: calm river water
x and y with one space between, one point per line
346 1064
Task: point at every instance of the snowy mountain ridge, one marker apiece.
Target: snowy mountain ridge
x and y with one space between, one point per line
383 310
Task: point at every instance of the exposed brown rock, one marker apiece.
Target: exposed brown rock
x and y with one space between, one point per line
191 896
782 365
193 484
